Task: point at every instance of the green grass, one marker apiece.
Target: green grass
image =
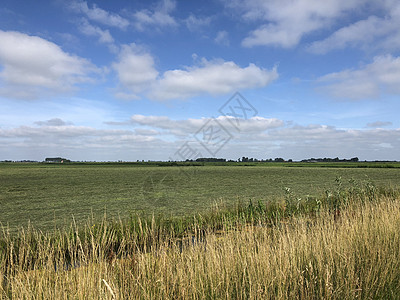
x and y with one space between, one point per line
49 196
342 244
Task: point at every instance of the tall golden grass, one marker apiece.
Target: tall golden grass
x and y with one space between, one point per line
351 255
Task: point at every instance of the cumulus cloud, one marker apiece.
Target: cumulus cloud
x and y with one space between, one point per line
99 15
80 143
137 74
151 139
191 126
374 32
175 127
135 69
32 66
104 36
382 76
211 77
159 17
284 23
146 132
327 141
67 135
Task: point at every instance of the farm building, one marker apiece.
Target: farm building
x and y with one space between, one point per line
56 160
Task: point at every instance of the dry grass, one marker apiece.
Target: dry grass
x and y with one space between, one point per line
328 256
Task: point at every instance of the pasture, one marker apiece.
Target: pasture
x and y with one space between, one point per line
280 232
51 196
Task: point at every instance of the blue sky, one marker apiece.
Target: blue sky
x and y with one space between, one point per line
146 80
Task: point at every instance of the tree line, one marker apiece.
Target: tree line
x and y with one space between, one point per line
277 159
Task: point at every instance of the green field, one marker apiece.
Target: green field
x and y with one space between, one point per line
52 195
340 242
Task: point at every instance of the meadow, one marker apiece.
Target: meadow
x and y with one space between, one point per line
343 243
50 196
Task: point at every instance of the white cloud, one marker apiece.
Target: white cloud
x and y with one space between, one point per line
159 17
285 22
151 139
99 15
194 23
104 36
176 127
63 134
371 33
163 122
147 132
327 141
211 77
222 38
136 71
188 127
78 143
159 137
33 66
138 75
380 77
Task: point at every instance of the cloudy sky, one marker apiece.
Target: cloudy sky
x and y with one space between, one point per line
159 80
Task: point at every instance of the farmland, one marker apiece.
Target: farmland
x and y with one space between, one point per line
50 196
278 231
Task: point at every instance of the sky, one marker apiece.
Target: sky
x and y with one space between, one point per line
176 80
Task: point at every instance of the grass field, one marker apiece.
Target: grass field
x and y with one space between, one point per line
343 244
49 196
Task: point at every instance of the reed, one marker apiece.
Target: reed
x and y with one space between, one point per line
342 245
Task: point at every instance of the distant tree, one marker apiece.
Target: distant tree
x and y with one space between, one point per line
210 159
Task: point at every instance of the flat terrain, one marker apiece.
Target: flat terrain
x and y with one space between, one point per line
51 195
342 244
